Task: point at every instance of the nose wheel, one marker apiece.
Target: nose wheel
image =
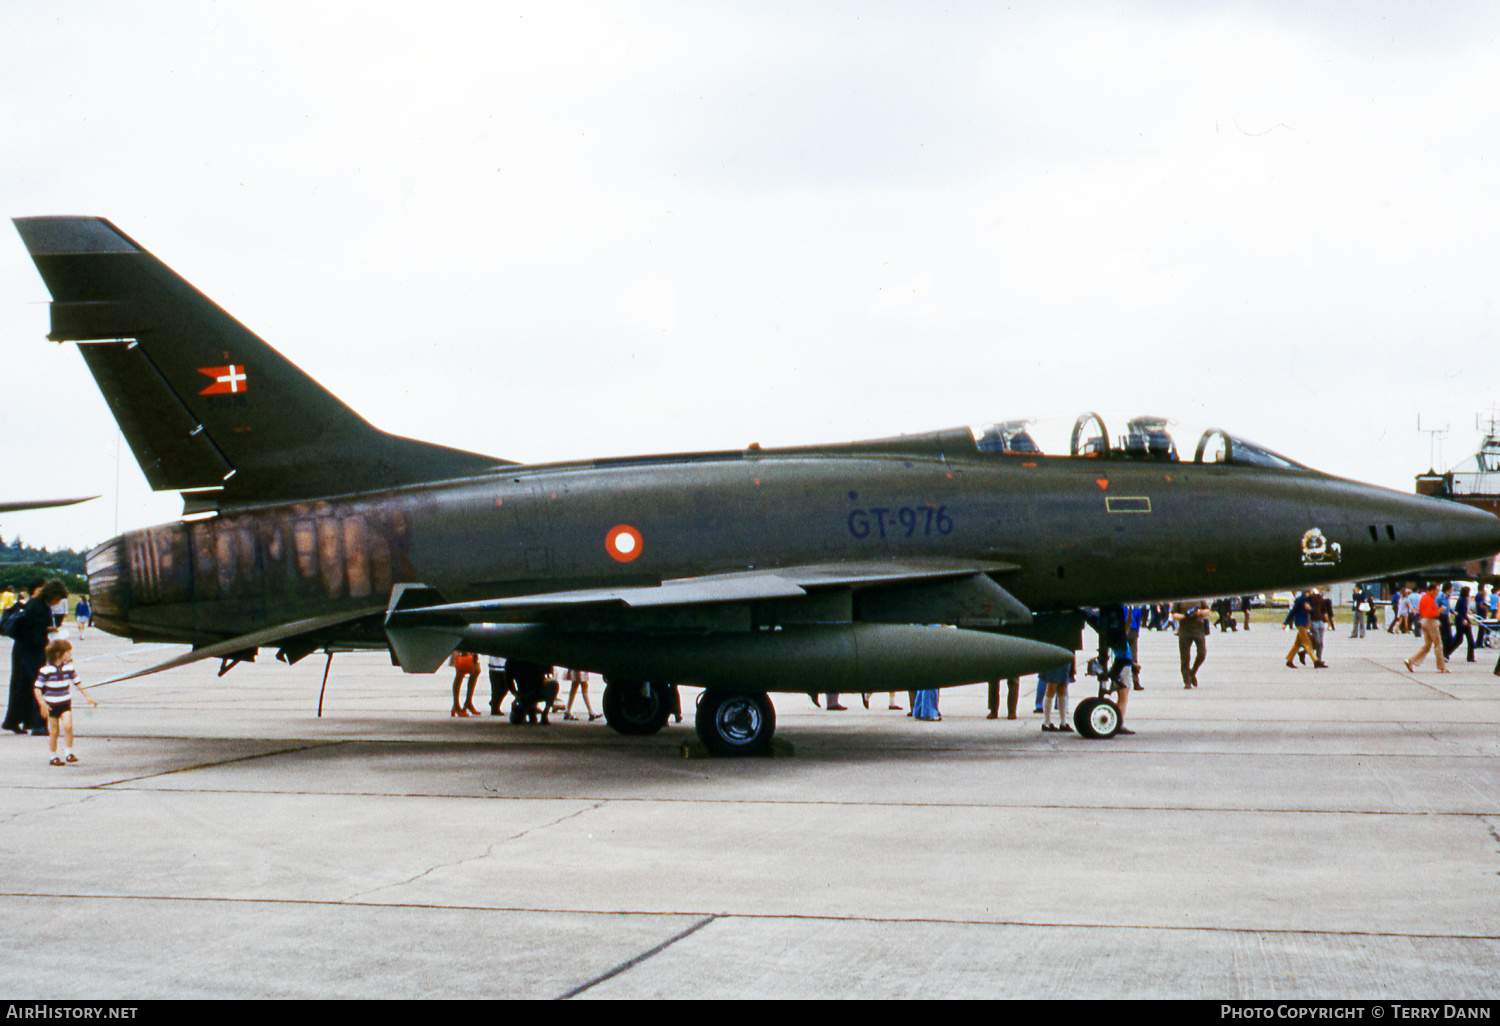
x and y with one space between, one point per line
735 723
1096 717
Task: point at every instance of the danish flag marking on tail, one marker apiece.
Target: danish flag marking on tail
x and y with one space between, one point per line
226 379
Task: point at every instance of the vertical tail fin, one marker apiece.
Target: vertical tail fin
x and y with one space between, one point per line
203 402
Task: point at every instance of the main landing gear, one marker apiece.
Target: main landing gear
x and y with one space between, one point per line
728 722
634 707
735 723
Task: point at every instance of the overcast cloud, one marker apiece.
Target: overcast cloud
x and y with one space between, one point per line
581 230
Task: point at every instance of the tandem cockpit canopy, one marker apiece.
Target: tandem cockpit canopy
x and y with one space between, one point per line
1143 438
1009 436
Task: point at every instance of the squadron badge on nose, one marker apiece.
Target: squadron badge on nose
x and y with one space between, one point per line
1318 550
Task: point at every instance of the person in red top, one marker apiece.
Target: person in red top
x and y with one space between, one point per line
465 665
1427 610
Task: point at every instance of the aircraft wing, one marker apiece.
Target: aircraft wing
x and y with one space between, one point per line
423 630
743 586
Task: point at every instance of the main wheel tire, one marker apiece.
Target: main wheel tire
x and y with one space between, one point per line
1096 717
735 723
634 708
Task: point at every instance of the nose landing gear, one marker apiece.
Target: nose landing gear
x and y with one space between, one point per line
1096 717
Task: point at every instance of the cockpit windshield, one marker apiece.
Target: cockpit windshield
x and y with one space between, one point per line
1143 438
1238 450
1010 436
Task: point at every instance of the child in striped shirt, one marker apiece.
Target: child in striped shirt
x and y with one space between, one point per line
54 696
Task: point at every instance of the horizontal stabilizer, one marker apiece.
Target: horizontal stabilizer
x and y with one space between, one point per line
233 646
204 402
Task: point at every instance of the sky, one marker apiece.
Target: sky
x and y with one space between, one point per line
565 231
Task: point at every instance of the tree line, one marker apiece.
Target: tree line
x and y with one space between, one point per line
63 559
21 564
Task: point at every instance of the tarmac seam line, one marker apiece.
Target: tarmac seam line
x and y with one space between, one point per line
301 747
638 959
1489 823
472 858
11 817
757 916
1411 677
601 801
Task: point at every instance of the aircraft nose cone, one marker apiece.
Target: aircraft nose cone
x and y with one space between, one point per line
1460 533
1398 532
1484 528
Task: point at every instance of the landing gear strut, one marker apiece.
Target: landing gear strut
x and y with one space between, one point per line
735 723
634 707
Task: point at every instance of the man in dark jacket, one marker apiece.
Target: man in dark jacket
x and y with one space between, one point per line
1463 626
28 653
1300 618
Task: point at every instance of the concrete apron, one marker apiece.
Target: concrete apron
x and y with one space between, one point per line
1273 833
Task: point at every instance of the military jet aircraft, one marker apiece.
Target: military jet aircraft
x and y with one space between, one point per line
922 561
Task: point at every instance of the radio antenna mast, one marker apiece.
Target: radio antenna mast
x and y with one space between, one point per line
1434 441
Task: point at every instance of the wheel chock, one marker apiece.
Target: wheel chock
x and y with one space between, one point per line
698 750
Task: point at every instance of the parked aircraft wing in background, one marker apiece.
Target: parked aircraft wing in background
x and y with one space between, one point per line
16 507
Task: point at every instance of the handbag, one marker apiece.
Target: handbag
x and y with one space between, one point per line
10 625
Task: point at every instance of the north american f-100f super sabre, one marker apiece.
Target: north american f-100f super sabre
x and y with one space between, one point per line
922 561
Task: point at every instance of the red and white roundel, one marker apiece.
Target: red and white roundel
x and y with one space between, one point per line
623 543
